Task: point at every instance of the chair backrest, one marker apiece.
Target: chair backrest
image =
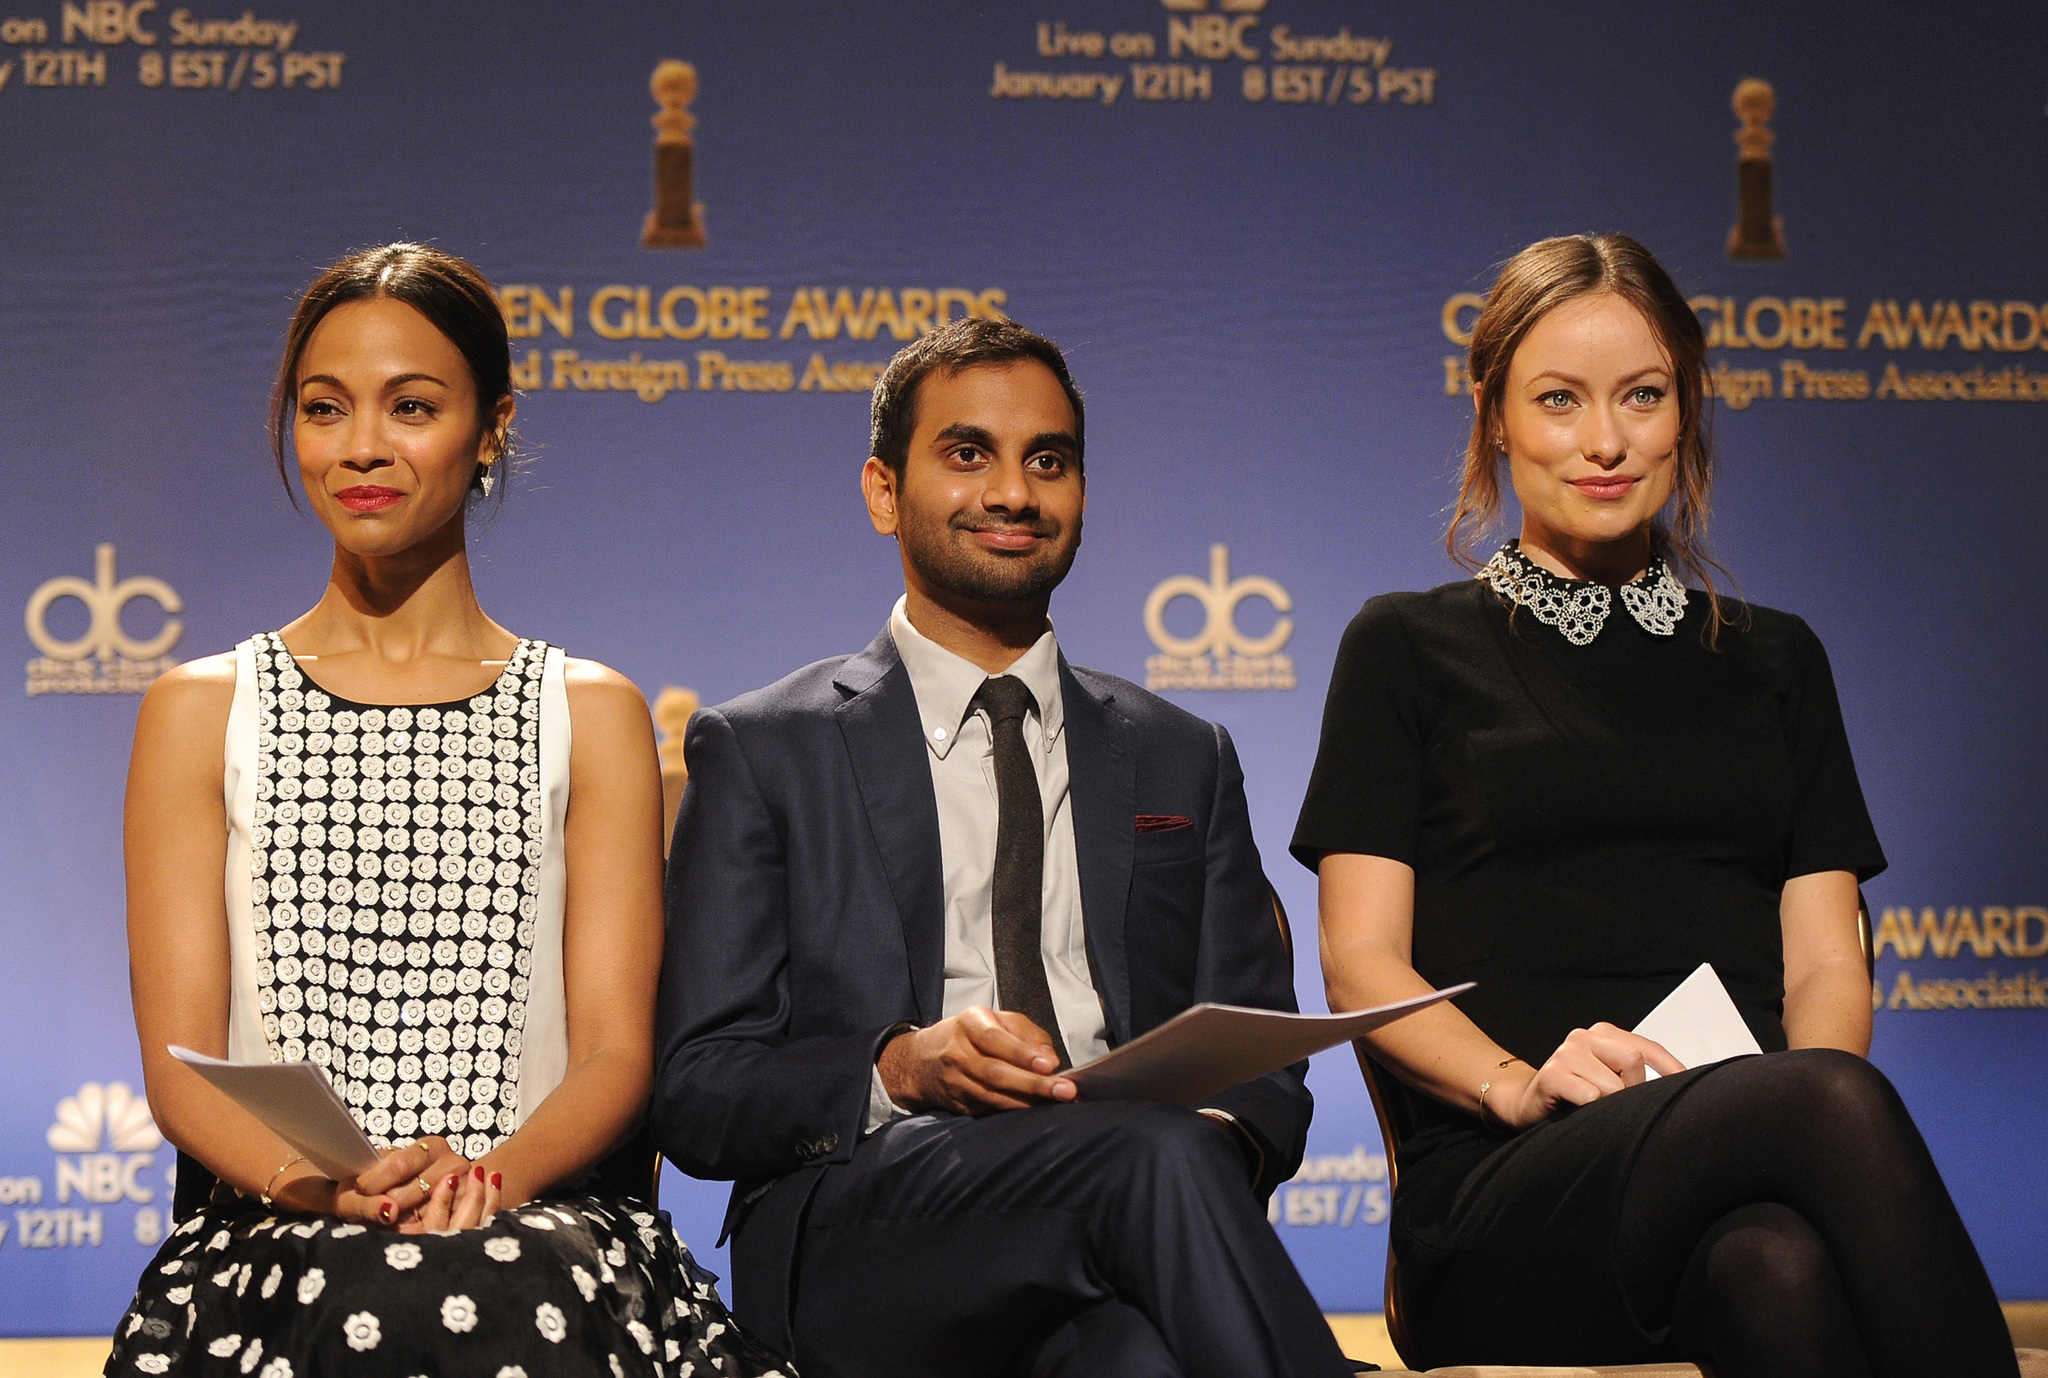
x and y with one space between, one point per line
1391 1105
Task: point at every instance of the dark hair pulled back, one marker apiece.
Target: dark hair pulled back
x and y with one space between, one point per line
447 290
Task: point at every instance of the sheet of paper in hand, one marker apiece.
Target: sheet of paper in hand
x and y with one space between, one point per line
1698 1022
296 1101
1203 1050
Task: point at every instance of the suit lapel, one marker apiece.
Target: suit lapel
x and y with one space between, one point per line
1102 774
885 742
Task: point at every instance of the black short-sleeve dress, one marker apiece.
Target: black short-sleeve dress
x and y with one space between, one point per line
1595 800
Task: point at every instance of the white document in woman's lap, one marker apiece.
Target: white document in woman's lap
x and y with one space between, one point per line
297 1102
1698 1022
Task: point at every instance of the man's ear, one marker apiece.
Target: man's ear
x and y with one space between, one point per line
878 488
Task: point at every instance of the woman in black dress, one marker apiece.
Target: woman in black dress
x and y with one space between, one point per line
441 848
1572 779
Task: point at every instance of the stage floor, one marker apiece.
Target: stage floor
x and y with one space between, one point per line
1362 1337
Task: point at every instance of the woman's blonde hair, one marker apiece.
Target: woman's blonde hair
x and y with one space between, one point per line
1535 282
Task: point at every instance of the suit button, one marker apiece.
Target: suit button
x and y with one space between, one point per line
828 1144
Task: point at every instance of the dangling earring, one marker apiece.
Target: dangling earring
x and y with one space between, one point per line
488 479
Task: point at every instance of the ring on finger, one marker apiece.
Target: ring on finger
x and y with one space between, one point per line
425 1190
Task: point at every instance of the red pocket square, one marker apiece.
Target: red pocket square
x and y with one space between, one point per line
1163 822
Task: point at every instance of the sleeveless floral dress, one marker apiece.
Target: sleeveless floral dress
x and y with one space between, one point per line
395 906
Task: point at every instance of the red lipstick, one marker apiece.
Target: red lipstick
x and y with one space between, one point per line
368 497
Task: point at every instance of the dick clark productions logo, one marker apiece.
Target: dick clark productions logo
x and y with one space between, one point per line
105 659
1220 656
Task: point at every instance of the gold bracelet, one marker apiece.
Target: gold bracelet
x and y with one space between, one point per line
1486 1086
289 1162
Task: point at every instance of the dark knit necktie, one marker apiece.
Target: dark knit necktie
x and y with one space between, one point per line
1015 898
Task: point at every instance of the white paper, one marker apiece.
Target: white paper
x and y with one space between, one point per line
297 1102
1698 1022
1208 1048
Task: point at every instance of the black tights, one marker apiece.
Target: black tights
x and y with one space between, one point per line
1784 1218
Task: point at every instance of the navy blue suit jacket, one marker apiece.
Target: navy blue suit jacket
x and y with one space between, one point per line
806 921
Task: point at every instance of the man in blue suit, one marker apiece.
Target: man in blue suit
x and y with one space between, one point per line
910 887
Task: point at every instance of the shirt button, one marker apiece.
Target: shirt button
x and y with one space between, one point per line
938 734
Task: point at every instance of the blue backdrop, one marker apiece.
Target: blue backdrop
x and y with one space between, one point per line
1249 222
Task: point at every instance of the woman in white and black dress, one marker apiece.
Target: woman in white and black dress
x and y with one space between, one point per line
442 852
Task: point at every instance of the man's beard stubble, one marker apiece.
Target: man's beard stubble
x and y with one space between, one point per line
986 577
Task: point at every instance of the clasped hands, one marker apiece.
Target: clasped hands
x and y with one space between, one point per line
426 1186
1589 1064
975 1063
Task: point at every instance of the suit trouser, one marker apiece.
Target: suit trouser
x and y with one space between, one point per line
1072 1239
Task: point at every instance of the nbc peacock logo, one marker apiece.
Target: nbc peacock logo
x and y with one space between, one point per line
110 1116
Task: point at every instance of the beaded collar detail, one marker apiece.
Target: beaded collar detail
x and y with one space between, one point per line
1578 609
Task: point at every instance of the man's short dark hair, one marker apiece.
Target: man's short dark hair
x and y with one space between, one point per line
954 346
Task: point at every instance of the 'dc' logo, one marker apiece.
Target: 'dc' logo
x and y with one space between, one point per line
1219 597
104 599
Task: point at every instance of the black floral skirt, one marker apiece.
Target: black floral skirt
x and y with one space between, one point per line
580 1285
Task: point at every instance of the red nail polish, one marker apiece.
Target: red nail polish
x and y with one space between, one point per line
479 1174
497 1179
384 1212
453 1178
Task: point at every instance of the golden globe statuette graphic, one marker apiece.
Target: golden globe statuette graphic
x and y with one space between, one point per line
1758 234
1220 656
672 709
105 660
677 220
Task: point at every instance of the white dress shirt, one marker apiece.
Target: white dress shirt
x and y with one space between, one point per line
960 750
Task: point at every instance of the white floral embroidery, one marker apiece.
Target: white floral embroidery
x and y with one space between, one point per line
618 1369
642 1218
1657 604
642 1336
219 1241
675 1351
197 1222
309 1229
271 1279
253 1355
279 1367
712 1332
458 1313
616 1255
311 1285
403 1256
514 1371
153 1363
225 1276
504 1248
538 1221
248 1269
178 1296
224 1346
191 1319
344 1231
135 1321
548 1319
362 1331
1578 610
172 1269
585 1283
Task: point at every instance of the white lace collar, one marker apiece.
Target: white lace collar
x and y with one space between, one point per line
1577 609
